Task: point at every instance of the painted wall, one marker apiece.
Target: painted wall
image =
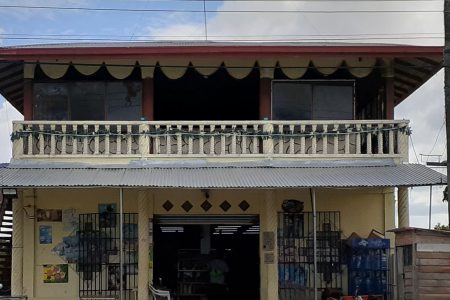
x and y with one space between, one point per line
361 211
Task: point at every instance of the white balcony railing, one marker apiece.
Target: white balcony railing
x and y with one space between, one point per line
194 139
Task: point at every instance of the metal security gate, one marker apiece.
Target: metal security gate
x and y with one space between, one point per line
296 254
99 255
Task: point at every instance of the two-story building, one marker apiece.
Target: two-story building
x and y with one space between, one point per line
138 163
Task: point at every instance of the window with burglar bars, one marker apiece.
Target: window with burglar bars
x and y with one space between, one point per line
296 253
99 254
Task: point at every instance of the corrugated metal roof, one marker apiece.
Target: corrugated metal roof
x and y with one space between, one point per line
224 177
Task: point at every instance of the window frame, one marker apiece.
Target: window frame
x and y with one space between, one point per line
316 82
69 85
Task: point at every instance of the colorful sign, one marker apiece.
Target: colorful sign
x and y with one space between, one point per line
45 234
56 273
49 215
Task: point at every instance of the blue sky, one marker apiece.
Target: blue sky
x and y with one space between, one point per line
424 108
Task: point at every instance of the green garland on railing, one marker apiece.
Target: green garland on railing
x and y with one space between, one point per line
227 132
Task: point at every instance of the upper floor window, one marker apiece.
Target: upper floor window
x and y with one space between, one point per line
88 100
312 100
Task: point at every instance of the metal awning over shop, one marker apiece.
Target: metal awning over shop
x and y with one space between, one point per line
223 175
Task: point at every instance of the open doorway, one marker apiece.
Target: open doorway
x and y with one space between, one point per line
190 257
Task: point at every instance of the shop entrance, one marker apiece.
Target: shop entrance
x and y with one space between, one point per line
200 257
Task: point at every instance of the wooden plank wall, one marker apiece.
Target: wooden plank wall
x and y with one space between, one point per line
408 286
433 275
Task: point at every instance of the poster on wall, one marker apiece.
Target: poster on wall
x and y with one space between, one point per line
68 249
49 215
70 220
107 215
71 248
56 273
45 234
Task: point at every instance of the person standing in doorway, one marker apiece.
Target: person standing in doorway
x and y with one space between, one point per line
218 269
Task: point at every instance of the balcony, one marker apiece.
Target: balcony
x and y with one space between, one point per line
109 140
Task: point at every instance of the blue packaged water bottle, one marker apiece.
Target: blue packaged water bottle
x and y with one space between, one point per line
368 284
384 260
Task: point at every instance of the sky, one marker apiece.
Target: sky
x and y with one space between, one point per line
400 22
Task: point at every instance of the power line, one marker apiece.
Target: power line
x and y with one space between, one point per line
224 39
414 34
437 137
168 10
414 149
277 1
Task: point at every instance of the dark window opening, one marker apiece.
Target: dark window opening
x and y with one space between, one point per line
369 90
216 97
312 100
407 255
88 100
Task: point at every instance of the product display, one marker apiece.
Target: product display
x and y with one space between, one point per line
368 267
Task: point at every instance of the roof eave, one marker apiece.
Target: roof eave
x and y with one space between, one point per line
261 50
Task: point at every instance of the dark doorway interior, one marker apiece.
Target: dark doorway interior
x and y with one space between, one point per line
216 97
180 266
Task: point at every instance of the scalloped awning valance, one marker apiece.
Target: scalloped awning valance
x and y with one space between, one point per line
174 68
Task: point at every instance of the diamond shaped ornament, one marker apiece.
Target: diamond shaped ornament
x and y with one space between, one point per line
187 206
244 205
206 205
225 206
168 205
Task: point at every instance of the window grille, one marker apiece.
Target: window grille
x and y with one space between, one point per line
99 255
296 253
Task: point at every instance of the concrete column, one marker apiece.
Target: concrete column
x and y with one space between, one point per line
29 198
403 207
265 94
402 144
148 99
143 262
17 248
269 257
388 76
28 99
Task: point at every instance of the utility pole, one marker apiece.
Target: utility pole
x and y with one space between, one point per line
447 84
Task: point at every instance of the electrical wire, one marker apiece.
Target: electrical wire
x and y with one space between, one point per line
225 39
277 1
437 137
414 149
253 35
236 38
161 10
368 36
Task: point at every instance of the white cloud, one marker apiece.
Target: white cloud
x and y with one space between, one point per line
7 115
271 25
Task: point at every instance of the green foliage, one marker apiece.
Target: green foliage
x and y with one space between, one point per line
440 226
